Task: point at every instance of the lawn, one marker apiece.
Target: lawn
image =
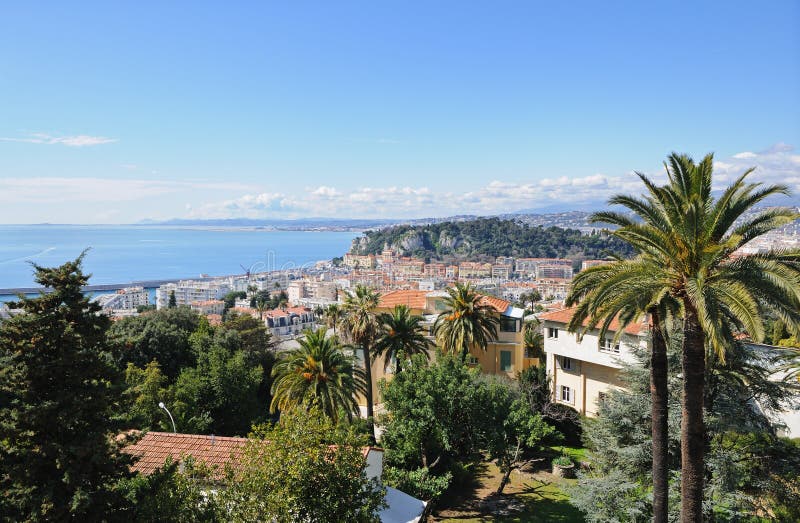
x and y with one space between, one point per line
531 496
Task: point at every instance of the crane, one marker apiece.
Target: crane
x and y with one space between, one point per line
246 270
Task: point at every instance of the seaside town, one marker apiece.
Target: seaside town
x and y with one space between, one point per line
400 262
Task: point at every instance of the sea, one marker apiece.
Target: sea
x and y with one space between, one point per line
119 254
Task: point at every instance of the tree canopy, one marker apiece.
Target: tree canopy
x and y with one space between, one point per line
59 406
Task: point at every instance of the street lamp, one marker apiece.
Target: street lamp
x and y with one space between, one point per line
162 406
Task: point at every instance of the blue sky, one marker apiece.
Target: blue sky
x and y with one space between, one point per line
113 114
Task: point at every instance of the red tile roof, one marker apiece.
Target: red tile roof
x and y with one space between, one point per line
500 305
565 315
411 298
215 451
154 448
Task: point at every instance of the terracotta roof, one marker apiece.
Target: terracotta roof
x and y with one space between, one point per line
565 315
215 451
154 448
214 319
498 304
298 310
208 302
411 298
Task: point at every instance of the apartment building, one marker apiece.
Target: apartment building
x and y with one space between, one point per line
553 271
474 270
409 268
387 256
189 291
529 266
358 261
583 372
126 299
502 271
435 270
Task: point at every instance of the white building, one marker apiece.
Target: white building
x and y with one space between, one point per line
124 300
189 291
583 372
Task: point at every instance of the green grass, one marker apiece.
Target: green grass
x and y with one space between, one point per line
544 502
577 454
541 497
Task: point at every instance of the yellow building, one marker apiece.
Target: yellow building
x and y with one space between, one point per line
503 356
583 372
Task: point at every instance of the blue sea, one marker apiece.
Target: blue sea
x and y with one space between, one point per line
122 254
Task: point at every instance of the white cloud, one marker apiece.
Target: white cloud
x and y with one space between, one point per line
80 140
776 164
745 155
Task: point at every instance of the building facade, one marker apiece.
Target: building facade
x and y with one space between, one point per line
126 299
582 372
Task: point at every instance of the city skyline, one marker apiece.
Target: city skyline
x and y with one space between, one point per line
117 114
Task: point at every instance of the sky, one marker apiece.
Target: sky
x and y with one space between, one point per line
113 113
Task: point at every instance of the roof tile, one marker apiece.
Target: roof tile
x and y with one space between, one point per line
565 315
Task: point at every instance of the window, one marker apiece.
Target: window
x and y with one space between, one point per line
552 333
566 394
608 345
508 324
472 360
505 361
566 363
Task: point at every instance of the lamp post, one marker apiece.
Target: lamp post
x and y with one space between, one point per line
162 406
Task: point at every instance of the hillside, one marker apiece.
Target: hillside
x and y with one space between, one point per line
486 238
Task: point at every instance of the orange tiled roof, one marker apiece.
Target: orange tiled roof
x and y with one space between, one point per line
500 305
154 448
215 451
207 302
298 310
411 298
565 315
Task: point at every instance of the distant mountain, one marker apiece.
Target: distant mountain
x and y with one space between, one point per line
356 224
298 224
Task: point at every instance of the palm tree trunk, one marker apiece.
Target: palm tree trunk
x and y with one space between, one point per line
659 397
370 407
692 427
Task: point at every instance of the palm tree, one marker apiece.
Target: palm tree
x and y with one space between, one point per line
317 375
533 339
400 336
333 316
690 244
261 306
361 327
468 321
627 291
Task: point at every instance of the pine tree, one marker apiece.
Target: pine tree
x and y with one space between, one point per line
58 398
